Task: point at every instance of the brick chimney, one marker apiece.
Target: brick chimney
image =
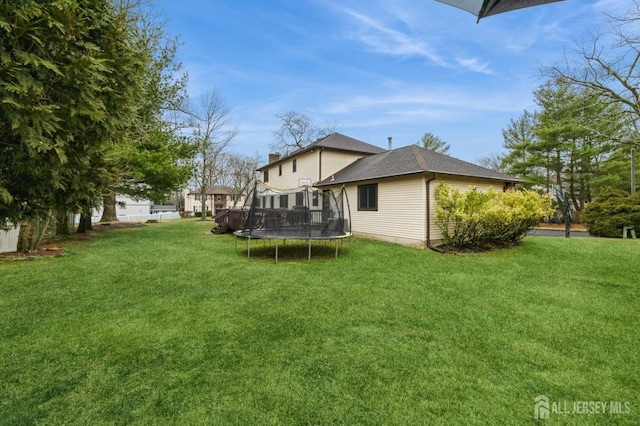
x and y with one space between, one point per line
273 157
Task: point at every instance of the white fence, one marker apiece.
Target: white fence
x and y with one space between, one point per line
152 216
9 240
135 217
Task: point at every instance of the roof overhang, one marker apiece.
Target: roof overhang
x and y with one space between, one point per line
328 182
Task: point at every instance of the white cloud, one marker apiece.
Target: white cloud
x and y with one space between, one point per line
419 100
474 64
389 41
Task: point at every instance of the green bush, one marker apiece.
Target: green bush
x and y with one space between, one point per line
612 210
199 214
476 219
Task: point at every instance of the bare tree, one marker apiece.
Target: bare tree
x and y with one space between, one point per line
608 63
297 131
213 132
241 173
434 143
493 162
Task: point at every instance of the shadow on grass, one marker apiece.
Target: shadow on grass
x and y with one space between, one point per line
293 250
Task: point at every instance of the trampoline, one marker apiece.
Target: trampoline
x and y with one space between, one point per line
313 215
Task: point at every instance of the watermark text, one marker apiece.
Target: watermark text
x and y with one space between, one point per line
543 408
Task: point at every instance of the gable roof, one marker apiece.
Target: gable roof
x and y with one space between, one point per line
410 160
216 190
334 141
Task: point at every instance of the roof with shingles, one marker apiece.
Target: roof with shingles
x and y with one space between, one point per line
335 141
216 190
411 160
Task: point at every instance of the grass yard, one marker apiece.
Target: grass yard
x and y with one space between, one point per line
165 325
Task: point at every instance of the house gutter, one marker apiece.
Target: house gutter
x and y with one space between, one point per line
428 216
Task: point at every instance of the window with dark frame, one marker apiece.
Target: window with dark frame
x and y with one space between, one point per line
295 165
368 197
314 201
284 201
280 170
266 175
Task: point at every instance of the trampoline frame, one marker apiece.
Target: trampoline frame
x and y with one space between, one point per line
291 236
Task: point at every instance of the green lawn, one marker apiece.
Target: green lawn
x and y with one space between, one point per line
166 325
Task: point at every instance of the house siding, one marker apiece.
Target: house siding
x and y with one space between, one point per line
310 167
400 217
125 206
334 161
306 171
128 206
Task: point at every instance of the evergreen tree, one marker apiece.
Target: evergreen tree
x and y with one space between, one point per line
434 143
77 87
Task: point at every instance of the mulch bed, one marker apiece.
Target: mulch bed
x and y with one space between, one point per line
475 249
32 255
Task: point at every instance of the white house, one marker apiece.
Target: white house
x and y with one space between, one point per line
126 208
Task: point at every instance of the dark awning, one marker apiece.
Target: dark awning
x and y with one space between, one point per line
483 8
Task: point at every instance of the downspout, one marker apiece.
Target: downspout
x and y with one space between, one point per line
320 164
428 215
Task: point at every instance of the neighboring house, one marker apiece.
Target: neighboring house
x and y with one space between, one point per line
125 206
392 194
216 197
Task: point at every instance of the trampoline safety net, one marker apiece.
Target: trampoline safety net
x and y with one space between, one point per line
304 213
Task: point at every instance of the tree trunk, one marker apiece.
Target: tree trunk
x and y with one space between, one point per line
25 236
62 223
85 222
204 207
43 231
109 208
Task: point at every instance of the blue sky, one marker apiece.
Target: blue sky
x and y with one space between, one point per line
375 68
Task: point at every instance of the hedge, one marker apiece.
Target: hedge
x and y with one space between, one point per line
610 212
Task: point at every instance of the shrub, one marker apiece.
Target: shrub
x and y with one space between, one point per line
477 219
199 214
612 210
